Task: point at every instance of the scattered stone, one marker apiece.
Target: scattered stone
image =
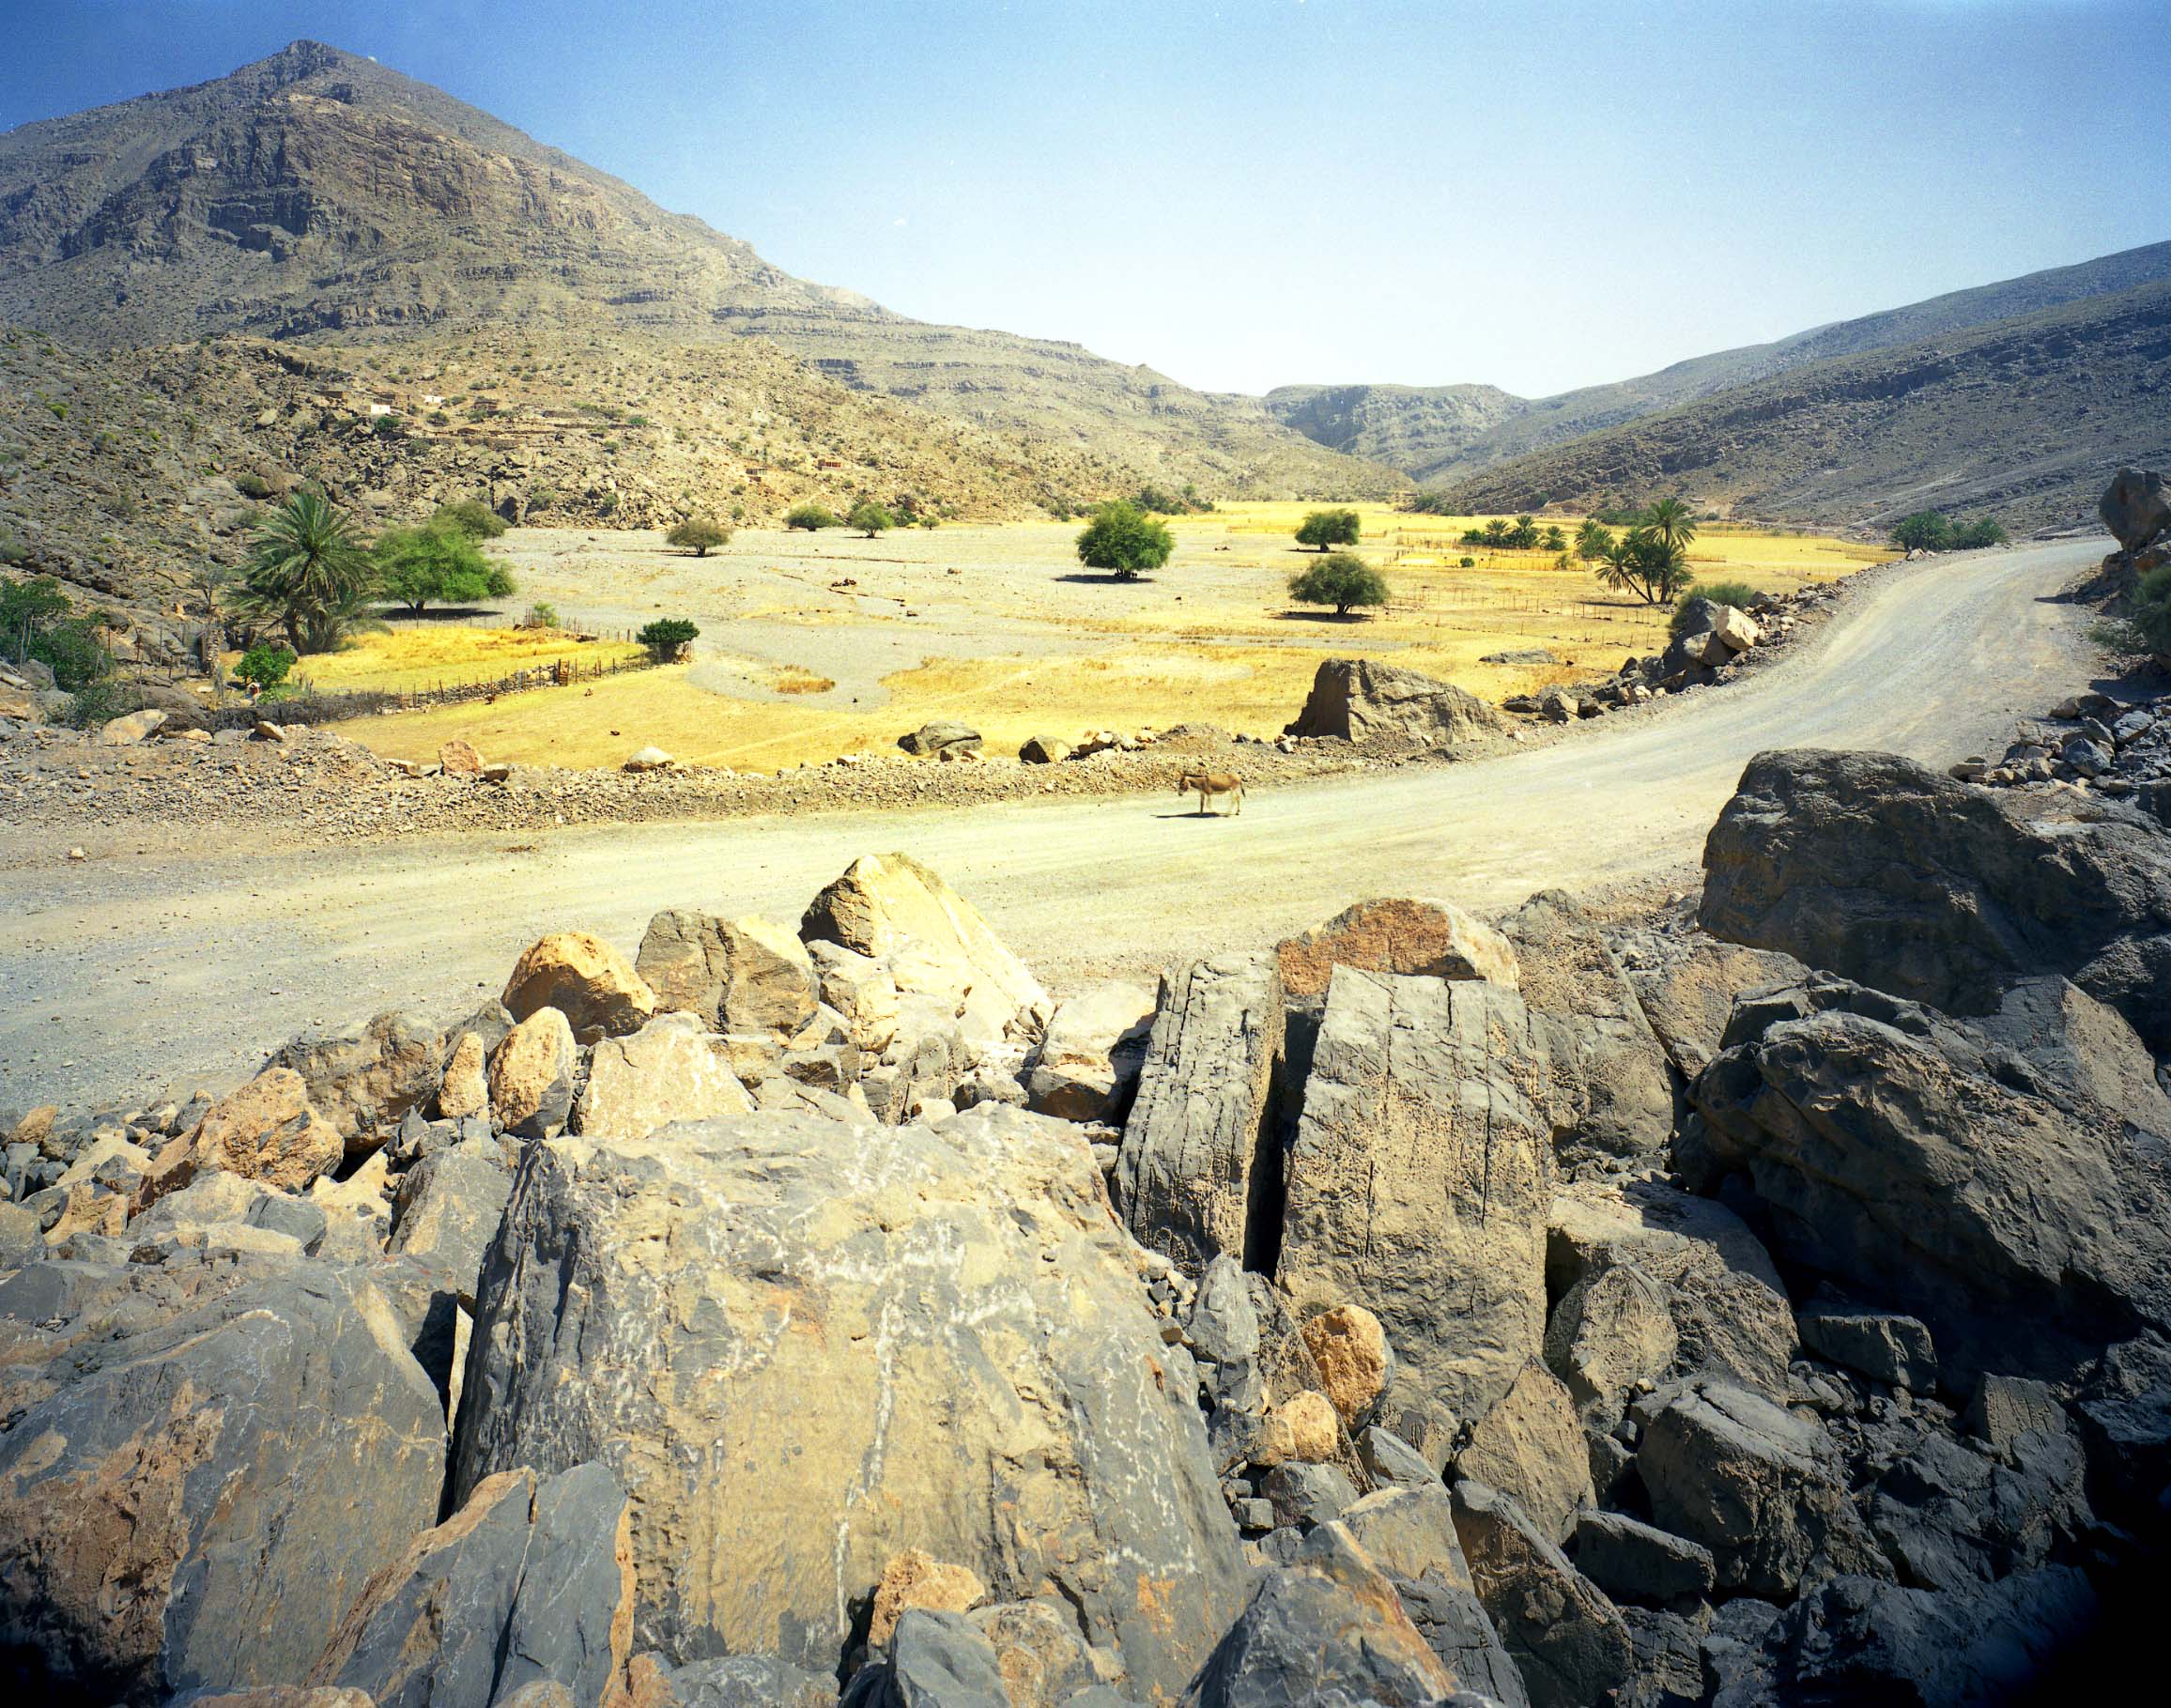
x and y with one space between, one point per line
1632 1560
1895 1350
649 758
268 1131
459 759
127 731
939 737
1568 1640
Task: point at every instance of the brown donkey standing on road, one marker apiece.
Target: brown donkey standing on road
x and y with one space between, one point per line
1205 784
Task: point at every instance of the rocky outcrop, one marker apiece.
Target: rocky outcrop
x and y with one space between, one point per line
1358 699
1567 1639
1926 1170
849 1341
1604 1052
1758 1485
891 908
672 1069
1727 1306
1422 1172
736 976
1328 1628
1198 1166
1869 866
205 1465
1087 1064
529 1583
2136 507
1397 935
364 1080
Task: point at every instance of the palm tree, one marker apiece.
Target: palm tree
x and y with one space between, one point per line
1593 540
1669 519
309 573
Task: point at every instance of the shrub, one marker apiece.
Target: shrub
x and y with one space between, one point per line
388 427
606 504
1342 580
1327 528
74 652
2146 624
12 550
434 563
666 637
1468 563
869 517
1737 594
699 534
810 519
29 607
97 701
1124 540
1933 530
540 616
264 666
471 517
251 486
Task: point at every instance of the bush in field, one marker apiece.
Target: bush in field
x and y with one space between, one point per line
251 486
810 519
1933 530
1124 540
1329 528
471 517
540 616
699 534
418 566
666 637
869 518
98 701
1342 580
264 666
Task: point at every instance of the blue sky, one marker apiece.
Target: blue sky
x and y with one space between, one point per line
1253 193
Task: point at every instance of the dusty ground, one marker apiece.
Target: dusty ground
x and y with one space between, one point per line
130 973
999 626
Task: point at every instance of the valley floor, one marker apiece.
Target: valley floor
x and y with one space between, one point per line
131 972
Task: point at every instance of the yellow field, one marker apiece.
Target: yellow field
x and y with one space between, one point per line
1210 638
424 655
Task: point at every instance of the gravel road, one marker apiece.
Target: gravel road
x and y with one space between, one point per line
131 976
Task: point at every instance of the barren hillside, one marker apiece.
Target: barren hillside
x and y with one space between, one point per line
318 195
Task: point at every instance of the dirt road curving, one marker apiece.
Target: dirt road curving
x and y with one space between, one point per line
129 975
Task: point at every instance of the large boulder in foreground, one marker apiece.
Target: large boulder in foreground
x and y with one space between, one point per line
1603 1047
2136 507
1359 699
1088 1063
585 979
803 1346
1929 1171
530 1583
1423 1173
268 1131
1875 867
738 975
366 1078
1198 1166
891 908
204 1466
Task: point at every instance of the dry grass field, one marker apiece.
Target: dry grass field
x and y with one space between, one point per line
423 654
817 645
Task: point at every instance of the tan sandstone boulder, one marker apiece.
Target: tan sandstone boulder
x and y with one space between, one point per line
1398 935
531 1075
268 1131
586 980
459 759
1530 1446
1355 1362
464 1090
916 1579
738 975
1301 1430
674 1068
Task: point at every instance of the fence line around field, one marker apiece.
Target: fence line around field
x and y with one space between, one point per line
314 707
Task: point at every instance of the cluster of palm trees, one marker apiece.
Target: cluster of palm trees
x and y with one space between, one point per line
1650 559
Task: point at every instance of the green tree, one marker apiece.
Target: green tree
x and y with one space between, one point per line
1984 530
308 573
36 621
1124 540
1643 563
1669 522
869 517
1591 540
1329 528
810 518
1342 580
471 517
1554 539
699 534
1925 530
264 666
667 637
418 566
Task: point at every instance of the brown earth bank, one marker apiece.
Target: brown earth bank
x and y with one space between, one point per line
1753 1298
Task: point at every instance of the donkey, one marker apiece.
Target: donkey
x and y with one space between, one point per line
1205 784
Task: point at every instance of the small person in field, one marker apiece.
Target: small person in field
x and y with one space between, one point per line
1205 784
